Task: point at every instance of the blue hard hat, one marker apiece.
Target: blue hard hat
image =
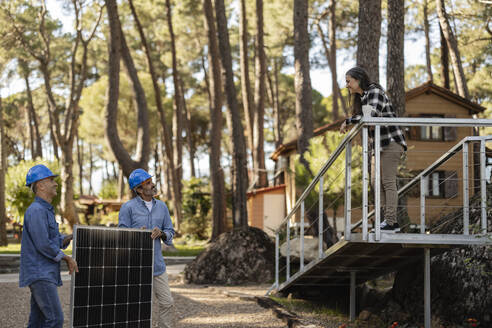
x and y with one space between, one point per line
38 172
137 177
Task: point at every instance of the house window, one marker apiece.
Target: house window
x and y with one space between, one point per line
433 184
431 132
438 184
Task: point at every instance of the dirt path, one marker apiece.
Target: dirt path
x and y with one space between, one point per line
195 306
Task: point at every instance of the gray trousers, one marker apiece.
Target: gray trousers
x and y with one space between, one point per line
390 158
164 299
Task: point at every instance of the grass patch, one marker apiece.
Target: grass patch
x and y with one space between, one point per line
305 306
185 250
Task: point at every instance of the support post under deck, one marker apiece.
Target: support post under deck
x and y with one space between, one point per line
427 289
352 295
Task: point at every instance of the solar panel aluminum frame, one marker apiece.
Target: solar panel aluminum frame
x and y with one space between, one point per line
74 251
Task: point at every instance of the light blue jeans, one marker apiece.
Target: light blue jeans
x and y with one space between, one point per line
46 310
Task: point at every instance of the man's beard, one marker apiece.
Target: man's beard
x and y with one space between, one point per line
150 192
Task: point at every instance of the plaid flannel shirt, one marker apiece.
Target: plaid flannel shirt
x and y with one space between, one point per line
378 99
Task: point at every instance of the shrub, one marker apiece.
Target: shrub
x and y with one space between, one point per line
196 208
109 189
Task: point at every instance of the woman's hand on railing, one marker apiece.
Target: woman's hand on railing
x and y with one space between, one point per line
344 127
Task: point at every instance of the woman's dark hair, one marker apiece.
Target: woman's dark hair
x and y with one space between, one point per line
365 84
360 75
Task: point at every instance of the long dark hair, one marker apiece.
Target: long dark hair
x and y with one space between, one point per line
365 84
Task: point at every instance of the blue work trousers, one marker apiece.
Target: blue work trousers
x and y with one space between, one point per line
46 310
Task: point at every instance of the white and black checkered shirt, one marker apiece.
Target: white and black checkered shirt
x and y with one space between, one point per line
377 98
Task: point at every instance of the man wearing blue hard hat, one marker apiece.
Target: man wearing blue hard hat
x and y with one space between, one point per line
144 211
41 251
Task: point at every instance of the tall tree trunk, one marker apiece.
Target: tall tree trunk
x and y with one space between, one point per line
3 170
54 143
461 84
37 150
157 166
189 133
427 41
304 112
121 184
114 166
67 178
395 69
245 83
333 51
143 135
232 166
166 135
277 124
117 49
30 132
106 170
240 162
331 56
444 60
80 161
260 93
368 36
215 85
178 102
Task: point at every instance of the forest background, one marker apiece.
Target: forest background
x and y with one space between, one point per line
199 92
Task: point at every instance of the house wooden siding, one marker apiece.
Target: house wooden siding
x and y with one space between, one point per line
266 208
421 154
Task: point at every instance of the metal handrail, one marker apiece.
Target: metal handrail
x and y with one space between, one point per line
426 121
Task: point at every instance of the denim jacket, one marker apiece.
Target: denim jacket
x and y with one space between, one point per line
41 245
134 214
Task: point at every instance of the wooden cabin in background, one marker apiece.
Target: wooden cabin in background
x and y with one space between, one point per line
425 145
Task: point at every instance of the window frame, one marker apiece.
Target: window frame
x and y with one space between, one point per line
441 185
431 129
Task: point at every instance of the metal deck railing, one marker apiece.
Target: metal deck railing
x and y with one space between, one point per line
295 221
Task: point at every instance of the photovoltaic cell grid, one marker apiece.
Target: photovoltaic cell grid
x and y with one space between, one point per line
113 287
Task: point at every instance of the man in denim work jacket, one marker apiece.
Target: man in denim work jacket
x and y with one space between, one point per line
144 211
40 251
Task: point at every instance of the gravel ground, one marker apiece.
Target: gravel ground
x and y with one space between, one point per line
195 306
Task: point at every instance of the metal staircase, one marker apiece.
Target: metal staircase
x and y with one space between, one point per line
362 254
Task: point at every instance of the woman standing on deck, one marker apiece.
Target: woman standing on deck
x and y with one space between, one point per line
364 93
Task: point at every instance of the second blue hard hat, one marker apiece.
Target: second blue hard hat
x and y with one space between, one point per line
38 172
137 177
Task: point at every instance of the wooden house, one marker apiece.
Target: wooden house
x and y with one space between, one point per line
425 145
266 208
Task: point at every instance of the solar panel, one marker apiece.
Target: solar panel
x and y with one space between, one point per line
113 287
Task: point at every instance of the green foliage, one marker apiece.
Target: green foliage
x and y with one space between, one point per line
320 149
110 219
196 208
109 189
415 75
18 197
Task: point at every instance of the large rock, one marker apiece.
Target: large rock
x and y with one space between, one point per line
311 249
235 257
